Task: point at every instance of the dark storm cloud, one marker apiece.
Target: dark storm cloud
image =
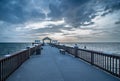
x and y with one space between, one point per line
118 22
116 6
55 12
79 12
13 11
71 10
76 12
111 6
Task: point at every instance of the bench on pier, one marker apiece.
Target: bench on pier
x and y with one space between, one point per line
62 51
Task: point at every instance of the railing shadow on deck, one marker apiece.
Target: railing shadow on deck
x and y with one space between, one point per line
10 63
107 62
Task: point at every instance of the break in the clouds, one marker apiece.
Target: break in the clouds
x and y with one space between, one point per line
64 20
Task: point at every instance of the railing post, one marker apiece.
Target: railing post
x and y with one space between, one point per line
38 50
64 47
92 58
35 49
0 71
76 51
119 67
28 48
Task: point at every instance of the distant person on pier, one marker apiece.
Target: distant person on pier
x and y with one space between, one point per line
64 47
76 48
85 47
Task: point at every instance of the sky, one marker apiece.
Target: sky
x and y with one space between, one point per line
62 20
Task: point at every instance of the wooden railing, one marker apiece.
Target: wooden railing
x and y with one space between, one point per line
107 62
10 63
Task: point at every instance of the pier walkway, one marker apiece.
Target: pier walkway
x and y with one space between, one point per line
53 66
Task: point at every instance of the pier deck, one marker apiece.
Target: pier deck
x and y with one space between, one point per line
53 66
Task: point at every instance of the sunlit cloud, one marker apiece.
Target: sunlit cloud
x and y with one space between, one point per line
77 32
107 21
58 36
41 24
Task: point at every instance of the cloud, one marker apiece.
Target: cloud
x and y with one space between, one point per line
117 22
77 12
67 19
17 11
40 25
55 12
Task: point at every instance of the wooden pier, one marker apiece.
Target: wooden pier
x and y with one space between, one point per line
51 65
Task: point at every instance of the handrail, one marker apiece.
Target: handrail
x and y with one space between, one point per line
107 62
10 63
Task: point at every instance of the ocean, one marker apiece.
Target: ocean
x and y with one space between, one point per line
107 47
9 48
